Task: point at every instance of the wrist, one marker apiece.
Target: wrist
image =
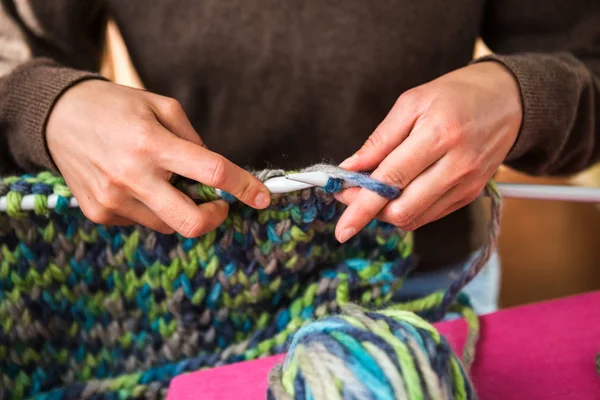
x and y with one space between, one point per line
30 92
505 91
525 111
64 109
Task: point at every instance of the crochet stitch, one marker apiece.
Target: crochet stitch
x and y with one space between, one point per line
102 312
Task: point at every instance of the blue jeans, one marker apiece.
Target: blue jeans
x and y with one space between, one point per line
483 290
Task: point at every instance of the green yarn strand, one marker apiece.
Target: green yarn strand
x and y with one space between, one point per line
13 205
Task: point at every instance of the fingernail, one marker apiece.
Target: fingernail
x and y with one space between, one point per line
347 234
262 200
349 161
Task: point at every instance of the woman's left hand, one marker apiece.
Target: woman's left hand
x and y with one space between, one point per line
441 143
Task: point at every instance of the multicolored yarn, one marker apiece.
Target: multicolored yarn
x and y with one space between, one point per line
91 311
388 354
338 179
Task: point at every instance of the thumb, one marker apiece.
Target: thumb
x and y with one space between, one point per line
390 133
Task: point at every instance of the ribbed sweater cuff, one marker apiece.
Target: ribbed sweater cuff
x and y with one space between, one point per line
34 90
546 84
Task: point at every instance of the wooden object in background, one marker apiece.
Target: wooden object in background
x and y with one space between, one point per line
116 63
548 249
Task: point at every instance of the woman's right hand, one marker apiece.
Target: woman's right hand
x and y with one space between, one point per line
117 149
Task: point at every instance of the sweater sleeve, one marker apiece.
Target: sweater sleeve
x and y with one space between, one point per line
552 47
36 67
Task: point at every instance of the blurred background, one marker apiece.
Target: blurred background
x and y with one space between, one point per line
548 249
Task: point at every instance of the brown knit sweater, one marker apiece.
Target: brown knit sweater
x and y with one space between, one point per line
289 82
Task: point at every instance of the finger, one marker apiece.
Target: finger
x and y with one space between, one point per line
399 169
454 207
458 205
453 197
358 214
99 214
171 115
347 196
117 220
409 160
387 213
179 212
421 194
446 204
202 165
136 211
390 133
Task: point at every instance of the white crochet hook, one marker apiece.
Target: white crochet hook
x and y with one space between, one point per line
306 180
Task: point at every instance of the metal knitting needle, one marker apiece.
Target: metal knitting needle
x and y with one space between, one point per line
549 192
507 190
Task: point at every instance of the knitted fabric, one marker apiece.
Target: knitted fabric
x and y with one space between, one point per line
103 312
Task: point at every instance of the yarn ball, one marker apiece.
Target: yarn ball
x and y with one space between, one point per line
358 354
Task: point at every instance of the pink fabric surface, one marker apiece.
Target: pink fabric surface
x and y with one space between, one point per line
539 351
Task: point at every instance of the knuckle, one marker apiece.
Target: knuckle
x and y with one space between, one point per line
109 195
143 141
479 161
460 175
192 227
216 172
452 126
468 170
171 108
244 190
375 140
410 226
117 177
142 126
448 133
473 193
401 217
439 140
395 177
136 106
409 98
414 225
145 147
108 201
98 215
